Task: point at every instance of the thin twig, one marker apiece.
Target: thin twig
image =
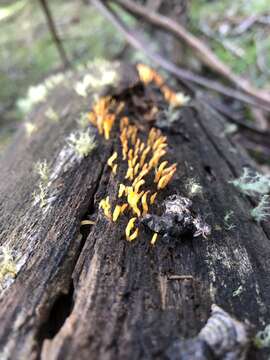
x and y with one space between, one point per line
178 72
54 33
206 55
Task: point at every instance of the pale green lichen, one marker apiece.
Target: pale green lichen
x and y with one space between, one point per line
82 142
252 183
37 94
182 99
262 211
229 129
107 77
30 128
262 338
194 188
41 168
229 225
7 264
52 115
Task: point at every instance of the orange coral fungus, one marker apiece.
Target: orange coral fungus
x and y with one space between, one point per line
104 114
145 172
148 75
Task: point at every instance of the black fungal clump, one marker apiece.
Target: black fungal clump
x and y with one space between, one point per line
177 220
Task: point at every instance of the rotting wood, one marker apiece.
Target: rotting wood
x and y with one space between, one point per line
97 295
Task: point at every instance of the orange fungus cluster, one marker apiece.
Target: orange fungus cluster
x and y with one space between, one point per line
146 172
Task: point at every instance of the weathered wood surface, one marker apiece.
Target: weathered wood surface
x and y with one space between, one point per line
97 296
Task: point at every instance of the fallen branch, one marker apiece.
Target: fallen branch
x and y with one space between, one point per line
180 73
205 54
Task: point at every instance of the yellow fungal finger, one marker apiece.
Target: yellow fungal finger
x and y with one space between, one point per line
130 226
138 185
114 168
123 208
134 160
124 122
142 174
160 170
111 159
116 212
153 198
144 154
146 74
133 199
136 169
154 239
130 154
105 205
161 141
144 203
169 169
121 190
134 136
165 179
134 235
156 157
142 146
129 174
108 124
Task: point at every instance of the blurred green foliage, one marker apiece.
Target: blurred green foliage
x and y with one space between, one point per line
246 51
28 54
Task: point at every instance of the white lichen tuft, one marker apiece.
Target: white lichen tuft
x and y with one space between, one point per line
194 188
41 168
30 128
181 99
252 183
107 77
52 115
262 338
82 142
229 225
37 94
7 265
229 130
262 211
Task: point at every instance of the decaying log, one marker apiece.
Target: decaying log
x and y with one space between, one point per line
84 292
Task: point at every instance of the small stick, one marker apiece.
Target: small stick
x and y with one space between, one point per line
180 277
54 33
